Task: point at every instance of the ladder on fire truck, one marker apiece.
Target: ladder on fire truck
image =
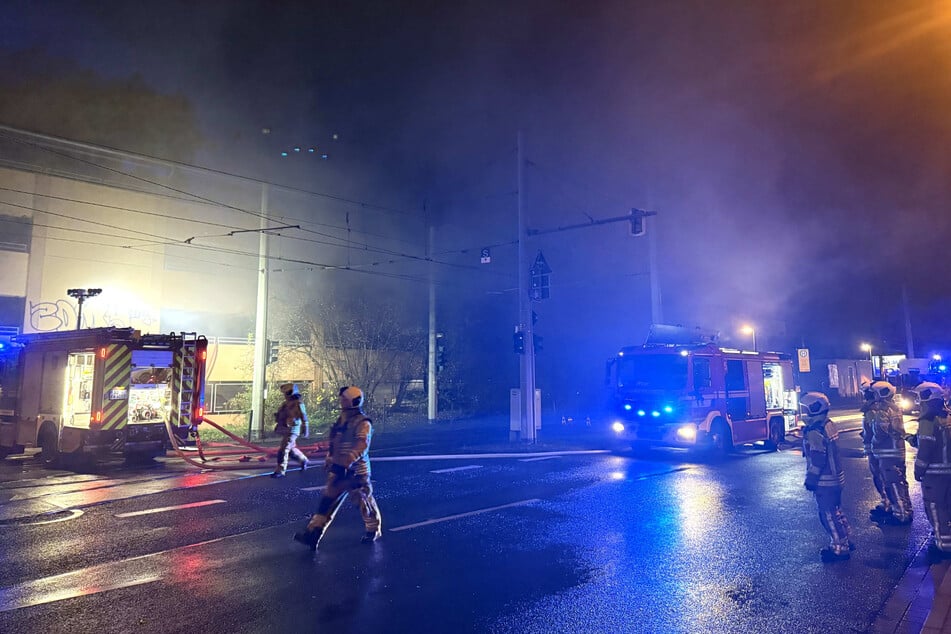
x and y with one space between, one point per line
186 383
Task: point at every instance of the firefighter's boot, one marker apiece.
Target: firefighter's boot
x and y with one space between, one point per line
370 536
879 513
309 538
830 554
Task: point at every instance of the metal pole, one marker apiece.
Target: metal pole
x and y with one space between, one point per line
79 317
657 309
260 323
433 403
527 373
909 339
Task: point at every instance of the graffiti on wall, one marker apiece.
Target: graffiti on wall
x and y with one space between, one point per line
61 315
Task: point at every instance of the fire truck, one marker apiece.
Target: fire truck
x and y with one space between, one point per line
100 390
699 395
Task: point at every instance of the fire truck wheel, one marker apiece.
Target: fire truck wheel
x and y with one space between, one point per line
777 433
49 453
721 438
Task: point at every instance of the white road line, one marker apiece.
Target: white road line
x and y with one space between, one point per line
170 508
312 488
460 515
38 592
465 468
537 459
482 456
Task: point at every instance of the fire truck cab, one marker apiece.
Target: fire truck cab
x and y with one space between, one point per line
700 396
103 390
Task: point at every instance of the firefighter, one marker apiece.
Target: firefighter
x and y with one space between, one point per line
348 471
933 463
291 423
887 425
824 474
884 507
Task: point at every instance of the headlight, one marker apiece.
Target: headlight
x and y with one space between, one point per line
904 403
687 432
618 427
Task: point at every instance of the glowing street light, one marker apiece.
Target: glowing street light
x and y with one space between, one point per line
867 347
81 295
749 330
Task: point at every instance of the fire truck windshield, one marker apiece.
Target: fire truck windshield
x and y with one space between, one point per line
652 372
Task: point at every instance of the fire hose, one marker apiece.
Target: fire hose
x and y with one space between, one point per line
209 456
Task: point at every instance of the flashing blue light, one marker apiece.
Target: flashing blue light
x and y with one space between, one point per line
2 345
311 150
655 413
297 149
641 412
324 156
283 153
942 367
627 407
668 408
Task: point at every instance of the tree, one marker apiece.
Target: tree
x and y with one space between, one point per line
56 97
371 345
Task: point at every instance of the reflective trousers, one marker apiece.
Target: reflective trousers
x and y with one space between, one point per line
896 488
336 491
829 502
936 494
875 466
289 446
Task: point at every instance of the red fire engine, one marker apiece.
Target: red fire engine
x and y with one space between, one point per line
100 390
700 395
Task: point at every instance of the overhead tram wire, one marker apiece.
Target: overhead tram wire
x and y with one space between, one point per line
199 168
193 196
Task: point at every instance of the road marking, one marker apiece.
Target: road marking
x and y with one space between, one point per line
537 459
460 515
465 468
42 591
170 508
481 456
320 488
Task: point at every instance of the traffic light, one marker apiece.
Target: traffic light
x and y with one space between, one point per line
537 342
440 352
272 347
518 342
638 218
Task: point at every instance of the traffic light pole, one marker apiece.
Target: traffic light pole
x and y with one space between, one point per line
527 369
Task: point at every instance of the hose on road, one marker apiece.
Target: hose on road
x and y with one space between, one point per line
245 449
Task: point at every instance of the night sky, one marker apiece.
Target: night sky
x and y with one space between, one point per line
797 153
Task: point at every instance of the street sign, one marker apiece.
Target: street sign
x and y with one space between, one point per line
803 355
485 256
540 267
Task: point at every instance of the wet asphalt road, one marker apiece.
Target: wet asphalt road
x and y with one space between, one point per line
576 543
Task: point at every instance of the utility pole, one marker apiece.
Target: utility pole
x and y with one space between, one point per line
260 322
527 369
909 340
433 401
657 307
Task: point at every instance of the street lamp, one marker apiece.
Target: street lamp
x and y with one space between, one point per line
749 330
81 294
867 347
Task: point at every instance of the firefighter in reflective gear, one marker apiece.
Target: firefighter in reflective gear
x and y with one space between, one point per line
884 507
291 421
933 462
887 425
824 474
348 472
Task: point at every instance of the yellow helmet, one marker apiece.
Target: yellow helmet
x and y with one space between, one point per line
882 390
351 396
